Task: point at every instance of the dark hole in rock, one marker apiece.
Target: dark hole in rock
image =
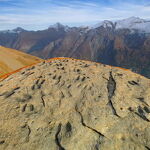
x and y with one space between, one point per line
32 87
62 68
148 148
130 109
24 108
37 81
133 83
69 86
40 77
17 88
141 99
111 86
136 135
83 79
123 138
32 67
31 107
78 70
147 109
54 77
29 73
59 77
2 142
39 86
27 96
68 127
8 94
86 65
23 72
119 74
42 81
140 110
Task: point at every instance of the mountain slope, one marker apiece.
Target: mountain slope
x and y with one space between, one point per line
69 104
11 60
132 23
124 43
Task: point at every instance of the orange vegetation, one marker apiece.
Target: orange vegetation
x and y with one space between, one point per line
50 60
18 70
11 60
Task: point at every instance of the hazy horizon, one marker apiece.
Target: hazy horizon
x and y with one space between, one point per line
72 25
33 15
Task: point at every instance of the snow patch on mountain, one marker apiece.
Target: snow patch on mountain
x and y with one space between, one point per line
16 30
105 24
132 23
58 26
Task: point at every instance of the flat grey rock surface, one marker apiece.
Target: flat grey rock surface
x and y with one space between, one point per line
68 104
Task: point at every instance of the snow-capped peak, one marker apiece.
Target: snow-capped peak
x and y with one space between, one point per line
16 30
134 23
105 24
58 26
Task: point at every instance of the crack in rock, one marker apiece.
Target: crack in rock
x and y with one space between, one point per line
83 123
29 130
141 99
42 95
111 87
27 127
147 147
57 139
142 116
133 83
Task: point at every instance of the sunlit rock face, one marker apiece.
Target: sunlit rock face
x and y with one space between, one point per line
68 104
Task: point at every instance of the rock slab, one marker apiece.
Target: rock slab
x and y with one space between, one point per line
68 104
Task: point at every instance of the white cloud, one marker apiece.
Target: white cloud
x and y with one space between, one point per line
72 13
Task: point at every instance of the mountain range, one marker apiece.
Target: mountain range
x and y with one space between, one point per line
124 43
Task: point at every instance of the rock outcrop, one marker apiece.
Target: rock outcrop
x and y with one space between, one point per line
68 104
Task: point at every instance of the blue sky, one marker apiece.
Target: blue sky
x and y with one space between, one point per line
39 14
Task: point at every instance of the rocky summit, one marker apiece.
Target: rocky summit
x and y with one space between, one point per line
68 104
